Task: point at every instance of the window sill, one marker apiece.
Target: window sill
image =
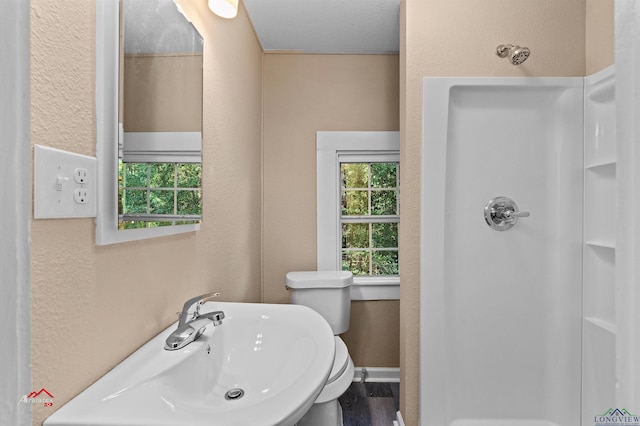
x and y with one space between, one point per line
366 288
111 235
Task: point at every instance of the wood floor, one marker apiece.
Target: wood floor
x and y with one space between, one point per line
370 404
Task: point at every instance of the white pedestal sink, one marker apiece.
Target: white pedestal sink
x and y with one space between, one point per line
264 365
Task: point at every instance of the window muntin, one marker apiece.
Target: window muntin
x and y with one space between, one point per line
369 217
159 194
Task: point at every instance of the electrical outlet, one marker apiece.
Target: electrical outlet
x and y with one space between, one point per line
64 184
80 175
81 196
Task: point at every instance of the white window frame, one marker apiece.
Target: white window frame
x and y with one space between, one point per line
161 147
330 146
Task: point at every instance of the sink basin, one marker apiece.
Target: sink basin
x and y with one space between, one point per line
264 365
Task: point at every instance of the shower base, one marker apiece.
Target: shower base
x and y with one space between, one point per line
502 422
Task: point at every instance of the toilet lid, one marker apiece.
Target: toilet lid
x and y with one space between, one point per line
340 361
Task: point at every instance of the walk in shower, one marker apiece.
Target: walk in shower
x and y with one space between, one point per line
502 299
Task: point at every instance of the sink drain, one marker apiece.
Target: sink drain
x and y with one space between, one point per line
232 394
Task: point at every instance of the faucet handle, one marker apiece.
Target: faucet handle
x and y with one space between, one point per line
198 301
203 299
207 297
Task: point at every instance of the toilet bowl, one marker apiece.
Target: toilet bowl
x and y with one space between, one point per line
329 293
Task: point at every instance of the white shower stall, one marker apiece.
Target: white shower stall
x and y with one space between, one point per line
507 315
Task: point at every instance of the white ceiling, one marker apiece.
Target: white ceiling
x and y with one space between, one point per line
327 26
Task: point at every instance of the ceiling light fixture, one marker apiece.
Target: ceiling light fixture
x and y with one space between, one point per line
224 8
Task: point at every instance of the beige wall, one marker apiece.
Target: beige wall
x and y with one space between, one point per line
92 306
373 337
600 48
459 38
162 93
304 94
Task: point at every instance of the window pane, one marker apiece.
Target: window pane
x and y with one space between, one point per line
355 175
385 262
158 224
369 190
161 202
189 202
155 192
383 175
135 175
135 201
162 175
383 203
189 175
355 235
120 200
356 261
384 235
187 222
355 203
133 224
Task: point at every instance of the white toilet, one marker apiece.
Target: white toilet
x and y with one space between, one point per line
329 294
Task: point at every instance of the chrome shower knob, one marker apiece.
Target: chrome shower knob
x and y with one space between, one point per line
501 213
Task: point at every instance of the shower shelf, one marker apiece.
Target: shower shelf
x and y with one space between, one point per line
605 325
602 244
599 204
603 165
599 237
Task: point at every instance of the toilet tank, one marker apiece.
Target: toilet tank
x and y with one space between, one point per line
326 292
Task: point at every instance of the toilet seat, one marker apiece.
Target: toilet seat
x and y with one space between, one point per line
341 374
340 360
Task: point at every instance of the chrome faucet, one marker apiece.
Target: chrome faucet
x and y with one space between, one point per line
189 330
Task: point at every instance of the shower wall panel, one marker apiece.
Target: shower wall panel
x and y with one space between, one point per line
501 310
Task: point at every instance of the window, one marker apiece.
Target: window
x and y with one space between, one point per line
159 194
358 210
159 179
369 217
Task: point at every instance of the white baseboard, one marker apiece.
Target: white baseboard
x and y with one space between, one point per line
377 374
399 421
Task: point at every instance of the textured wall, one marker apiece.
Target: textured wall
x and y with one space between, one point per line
600 35
304 94
163 93
459 38
92 306
373 337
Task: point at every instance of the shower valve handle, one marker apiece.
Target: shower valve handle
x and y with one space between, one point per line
501 213
508 214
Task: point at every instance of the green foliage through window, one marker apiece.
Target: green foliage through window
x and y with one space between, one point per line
159 194
369 218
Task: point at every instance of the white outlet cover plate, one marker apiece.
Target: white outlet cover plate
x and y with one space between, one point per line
52 199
